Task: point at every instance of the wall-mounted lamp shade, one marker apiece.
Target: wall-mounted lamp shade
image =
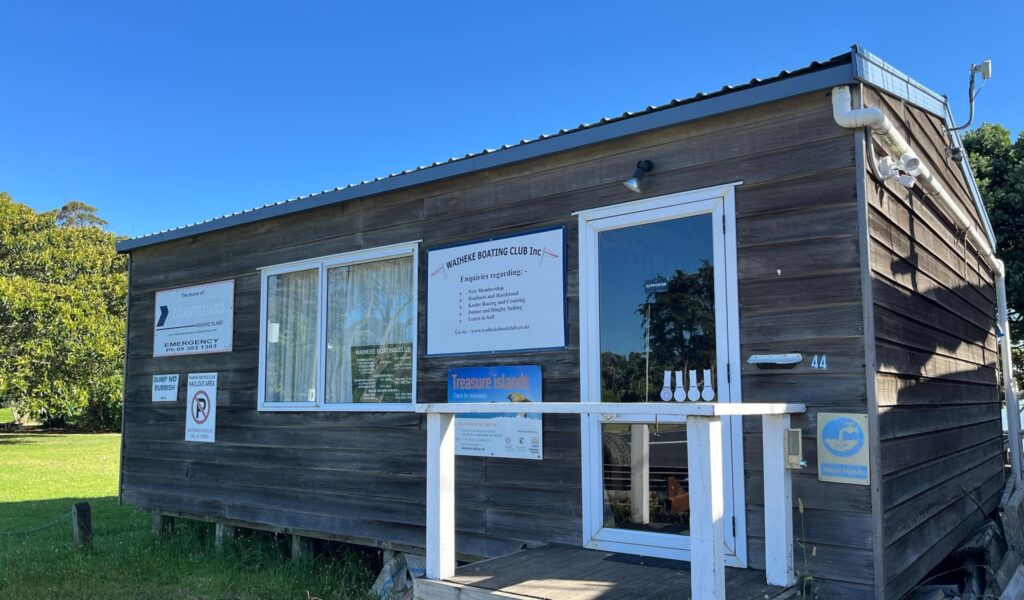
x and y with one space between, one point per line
641 170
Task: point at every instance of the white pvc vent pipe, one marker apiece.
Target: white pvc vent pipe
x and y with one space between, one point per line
876 121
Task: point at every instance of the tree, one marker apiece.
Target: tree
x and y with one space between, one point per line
63 291
79 214
998 165
682 337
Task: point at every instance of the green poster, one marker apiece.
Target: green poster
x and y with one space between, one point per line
382 373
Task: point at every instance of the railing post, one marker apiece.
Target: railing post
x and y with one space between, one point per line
440 496
640 473
707 507
778 503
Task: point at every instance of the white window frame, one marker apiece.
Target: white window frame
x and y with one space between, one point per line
322 264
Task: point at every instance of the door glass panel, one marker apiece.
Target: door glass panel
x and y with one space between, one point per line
645 477
645 333
646 330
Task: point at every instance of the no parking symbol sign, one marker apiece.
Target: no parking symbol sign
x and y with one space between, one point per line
201 409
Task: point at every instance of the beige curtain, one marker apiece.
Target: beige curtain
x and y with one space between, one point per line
369 305
291 339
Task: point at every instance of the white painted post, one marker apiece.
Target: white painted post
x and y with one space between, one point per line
778 503
440 496
640 473
707 508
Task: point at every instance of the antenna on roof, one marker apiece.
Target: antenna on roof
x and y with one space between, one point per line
985 68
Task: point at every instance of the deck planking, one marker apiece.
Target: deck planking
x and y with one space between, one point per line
571 573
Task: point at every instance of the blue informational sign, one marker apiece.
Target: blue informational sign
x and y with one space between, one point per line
843 449
658 285
489 434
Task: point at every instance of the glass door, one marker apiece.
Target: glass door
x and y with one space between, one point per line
657 327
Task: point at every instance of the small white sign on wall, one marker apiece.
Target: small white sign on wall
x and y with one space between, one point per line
194 320
843 448
165 388
201 410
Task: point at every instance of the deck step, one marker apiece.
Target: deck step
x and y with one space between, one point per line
426 589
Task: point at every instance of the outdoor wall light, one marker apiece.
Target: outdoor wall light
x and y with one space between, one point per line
642 168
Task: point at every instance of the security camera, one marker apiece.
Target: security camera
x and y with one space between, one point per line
955 154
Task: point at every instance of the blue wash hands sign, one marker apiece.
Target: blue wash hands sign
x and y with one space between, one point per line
843 448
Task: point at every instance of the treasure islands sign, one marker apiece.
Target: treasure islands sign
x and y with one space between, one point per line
498 295
489 434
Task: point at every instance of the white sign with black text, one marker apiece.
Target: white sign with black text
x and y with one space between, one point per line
497 295
201 411
194 320
165 388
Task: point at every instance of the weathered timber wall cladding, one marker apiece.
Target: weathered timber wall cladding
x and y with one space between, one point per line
830 261
938 401
796 207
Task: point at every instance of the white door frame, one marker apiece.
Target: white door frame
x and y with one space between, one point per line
719 201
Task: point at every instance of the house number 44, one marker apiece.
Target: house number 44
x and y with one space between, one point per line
819 363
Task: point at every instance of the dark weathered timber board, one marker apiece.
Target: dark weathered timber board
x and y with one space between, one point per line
904 452
543 196
818 526
906 389
899 360
814 494
903 211
906 517
943 533
903 421
821 561
715 140
895 270
949 271
934 306
795 215
907 330
920 479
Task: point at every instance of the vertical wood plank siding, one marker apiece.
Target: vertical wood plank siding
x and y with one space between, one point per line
361 476
939 408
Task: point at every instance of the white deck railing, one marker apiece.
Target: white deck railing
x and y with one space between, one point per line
707 492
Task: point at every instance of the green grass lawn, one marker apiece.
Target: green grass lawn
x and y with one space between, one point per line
42 475
6 416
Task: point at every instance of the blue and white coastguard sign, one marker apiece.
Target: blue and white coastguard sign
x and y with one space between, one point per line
843 448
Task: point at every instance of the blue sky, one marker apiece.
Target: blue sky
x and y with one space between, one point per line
164 113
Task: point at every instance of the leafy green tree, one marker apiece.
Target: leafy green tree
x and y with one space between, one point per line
998 165
63 289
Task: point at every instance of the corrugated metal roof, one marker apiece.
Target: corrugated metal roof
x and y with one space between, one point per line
837 68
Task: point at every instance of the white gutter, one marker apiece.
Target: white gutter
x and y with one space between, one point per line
897 147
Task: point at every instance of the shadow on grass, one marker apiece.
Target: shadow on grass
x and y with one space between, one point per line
13 433
126 561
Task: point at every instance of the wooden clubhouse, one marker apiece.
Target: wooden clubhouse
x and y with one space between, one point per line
770 358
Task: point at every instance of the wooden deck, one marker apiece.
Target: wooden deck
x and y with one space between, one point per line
555 572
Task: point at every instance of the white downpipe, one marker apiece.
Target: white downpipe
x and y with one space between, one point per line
874 119
1012 408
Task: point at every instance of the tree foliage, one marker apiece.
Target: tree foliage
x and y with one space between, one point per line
998 165
682 337
79 214
63 289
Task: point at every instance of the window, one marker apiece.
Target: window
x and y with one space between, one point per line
339 333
